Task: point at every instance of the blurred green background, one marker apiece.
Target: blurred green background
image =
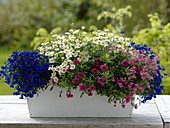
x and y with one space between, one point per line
24 24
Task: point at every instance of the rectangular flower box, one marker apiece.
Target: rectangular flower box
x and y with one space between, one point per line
49 104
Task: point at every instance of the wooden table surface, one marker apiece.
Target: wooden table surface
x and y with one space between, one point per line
153 114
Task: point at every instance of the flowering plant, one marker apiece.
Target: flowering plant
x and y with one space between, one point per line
98 62
26 72
104 63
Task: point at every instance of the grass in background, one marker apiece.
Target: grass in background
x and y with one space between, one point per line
4 88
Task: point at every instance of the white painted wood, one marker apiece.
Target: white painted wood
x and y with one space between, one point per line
163 105
10 99
17 115
49 104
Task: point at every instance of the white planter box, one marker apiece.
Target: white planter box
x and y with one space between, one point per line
49 104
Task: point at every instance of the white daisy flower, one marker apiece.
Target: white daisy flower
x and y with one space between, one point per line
83 27
41 52
131 52
67 33
79 59
86 59
56 55
68 55
121 39
65 41
52 77
41 49
124 50
55 35
56 49
54 69
75 54
72 66
60 72
94 32
51 60
62 65
69 61
53 74
116 51
57 68
84 33
46 48
106 30
76 31
55 79
64 70
71 50
127 44
50 68
65 62
49 48
66 51
51 53
44 43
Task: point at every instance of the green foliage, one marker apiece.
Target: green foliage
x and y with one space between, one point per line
42 35
157 36
20 19
116 17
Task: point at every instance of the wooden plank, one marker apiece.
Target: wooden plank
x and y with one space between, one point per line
10 99
163 105
16 115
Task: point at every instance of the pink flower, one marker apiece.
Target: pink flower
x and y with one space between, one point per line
80 74
92 88
123 105
129 85
103 67
75 81
102 85
82 87
129 77
90 94
136 106
137 70
113 79
69 95
98 60
125 63
75 62
141 89
101 80
127 99
134 88
128 73
143 76
96 64
53 82
134 62
94 70
141 83
134 77
69 70
148 86
120 85
136 85
145 66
